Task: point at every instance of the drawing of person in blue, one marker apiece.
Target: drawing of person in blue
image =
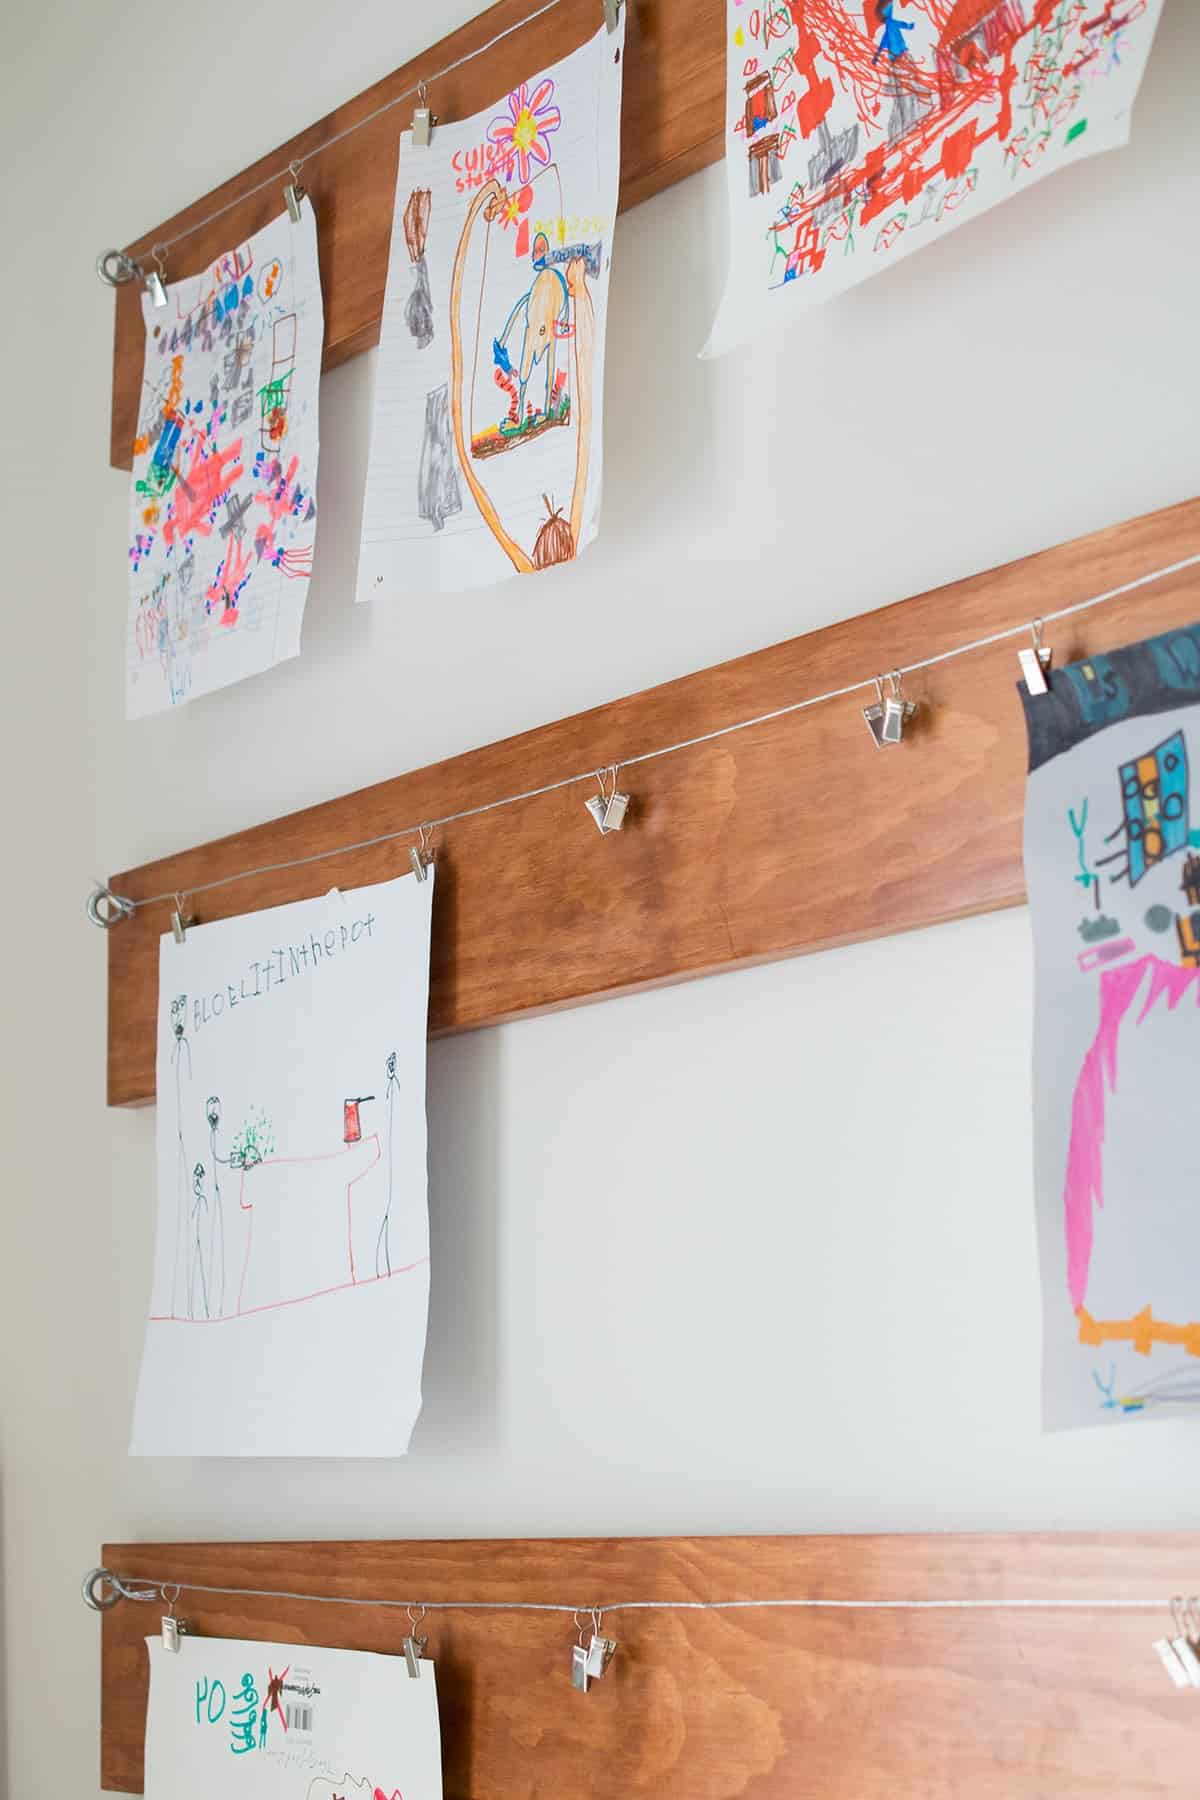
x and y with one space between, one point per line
892 37
543 314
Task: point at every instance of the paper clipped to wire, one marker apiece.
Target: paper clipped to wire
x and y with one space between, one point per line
486 440
858 131
1112 864
264 1721
291 1263
222 498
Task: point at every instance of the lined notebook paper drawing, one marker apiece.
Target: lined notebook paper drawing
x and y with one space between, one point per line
486 437
222 516
291 1263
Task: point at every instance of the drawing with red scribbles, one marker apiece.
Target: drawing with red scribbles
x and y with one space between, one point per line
267 1721
859 130
292 1228
1112 863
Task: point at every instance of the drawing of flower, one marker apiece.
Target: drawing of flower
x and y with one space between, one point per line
254 1142
524 136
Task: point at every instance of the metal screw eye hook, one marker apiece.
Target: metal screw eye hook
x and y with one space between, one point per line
115 268
422 94
93 1583
106 909
295 167
415 1623
597 1622
579 1627
170 1598
159 253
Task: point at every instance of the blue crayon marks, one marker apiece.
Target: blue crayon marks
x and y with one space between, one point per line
892 37
164 450
1154 791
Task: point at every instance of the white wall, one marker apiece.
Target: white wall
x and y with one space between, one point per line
797 1290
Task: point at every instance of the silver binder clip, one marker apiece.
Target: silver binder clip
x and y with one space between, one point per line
423 121
600 1650
420 855
889 713
1035 660
608 807
180 920
414 1646
293 193
153 281
897 711
612 13
1182 1643
172 1628
579 1660
1164 1649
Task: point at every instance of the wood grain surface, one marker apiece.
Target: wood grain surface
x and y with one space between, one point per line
672 124
770 1705
795 836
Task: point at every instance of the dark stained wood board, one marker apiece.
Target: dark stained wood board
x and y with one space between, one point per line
673 120
772 1705
795 836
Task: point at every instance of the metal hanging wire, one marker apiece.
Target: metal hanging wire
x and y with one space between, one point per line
117 266
107 909
154 1587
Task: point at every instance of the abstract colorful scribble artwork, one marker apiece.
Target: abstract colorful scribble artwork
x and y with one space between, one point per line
486 441
1112 863
264 1721
291 1259
858 131
222 516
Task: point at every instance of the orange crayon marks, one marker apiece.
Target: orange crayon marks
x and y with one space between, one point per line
956 150
1143 1331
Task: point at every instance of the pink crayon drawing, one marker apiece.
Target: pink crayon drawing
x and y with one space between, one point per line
1084 1188
208 480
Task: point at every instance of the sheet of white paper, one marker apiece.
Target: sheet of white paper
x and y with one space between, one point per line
486 439
859 130
1112 863
288 1722
222 507
291 1264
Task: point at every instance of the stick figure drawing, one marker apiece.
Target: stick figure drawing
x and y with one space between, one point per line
180 1049
383 1247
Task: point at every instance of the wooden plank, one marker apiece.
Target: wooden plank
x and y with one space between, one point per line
672 124
796 836
849 1706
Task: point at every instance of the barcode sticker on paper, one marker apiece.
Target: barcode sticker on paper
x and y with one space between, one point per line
299 1718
